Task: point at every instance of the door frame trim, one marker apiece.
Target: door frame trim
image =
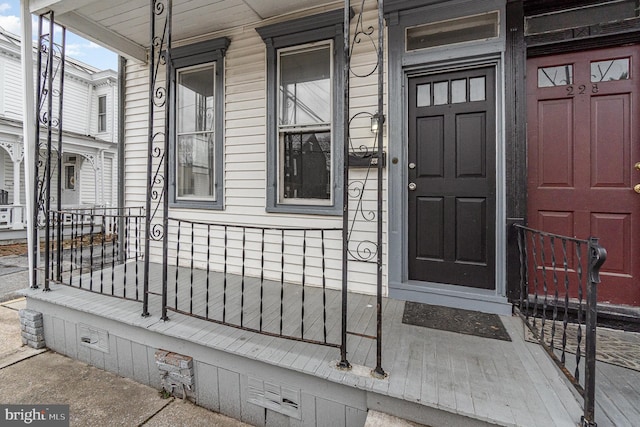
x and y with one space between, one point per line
436 293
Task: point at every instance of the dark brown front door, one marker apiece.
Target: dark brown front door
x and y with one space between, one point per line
451 171
583 142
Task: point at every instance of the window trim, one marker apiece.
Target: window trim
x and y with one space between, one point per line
177 134
296 33
282 130
102 114
183 57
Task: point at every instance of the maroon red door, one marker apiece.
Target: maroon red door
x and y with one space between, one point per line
583 145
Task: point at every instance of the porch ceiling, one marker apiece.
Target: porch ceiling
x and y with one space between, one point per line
123 25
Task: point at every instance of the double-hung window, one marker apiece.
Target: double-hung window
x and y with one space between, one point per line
196 124
304 124
102 113
304 118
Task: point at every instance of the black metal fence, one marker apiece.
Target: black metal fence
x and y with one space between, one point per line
269 280
558 296
97 249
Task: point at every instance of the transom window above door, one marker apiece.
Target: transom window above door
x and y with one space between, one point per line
459 30
451 92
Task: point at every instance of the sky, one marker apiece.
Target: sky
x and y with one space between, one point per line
76 47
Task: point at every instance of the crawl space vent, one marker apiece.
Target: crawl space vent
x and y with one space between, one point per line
95 338
277 397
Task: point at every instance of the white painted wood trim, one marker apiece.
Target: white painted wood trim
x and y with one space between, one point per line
28 124
102 36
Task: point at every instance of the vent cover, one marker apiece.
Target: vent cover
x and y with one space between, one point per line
277 397
94 338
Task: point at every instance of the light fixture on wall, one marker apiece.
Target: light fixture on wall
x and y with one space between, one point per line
377 122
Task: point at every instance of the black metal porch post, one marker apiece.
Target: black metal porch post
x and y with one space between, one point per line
597 257
147 213
378 371
47 174
344 363
159 45
165 182
59 236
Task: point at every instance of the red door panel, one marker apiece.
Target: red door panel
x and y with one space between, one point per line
583 136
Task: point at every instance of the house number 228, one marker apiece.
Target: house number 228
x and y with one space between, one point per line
571 90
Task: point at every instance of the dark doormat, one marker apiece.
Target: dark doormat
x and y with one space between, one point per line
455 320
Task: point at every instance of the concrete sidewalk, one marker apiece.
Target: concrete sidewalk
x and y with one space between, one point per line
96 397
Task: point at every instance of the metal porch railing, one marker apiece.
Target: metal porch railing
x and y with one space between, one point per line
558 296
97 249
72 237
269 280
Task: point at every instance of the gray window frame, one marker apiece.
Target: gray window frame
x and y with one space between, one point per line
210 51
299 32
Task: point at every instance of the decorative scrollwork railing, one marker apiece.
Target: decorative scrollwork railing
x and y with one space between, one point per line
363 240
48 157
160 14
364 151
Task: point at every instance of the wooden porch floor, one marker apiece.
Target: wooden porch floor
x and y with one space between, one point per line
504 383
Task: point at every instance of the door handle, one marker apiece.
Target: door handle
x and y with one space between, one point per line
412 186
637 166
636 188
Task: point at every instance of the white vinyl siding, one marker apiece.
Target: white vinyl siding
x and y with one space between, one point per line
12 90
74 107
245 174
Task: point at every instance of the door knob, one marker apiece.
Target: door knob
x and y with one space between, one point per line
412 186
636 188
413 165
637 166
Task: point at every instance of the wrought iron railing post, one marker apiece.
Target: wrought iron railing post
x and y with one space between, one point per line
597 257
59 218
159 48
166 58
150 113
47 173
378 371
344 363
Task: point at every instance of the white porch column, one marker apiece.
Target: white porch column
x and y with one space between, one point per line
18 213
28 127
102 177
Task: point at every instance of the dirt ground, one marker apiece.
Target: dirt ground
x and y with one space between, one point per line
13 249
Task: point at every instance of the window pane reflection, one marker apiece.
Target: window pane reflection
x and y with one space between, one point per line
424 95
560 75
440 93
477 89
458 91
607 71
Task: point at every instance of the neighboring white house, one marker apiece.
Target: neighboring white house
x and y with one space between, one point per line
89 138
